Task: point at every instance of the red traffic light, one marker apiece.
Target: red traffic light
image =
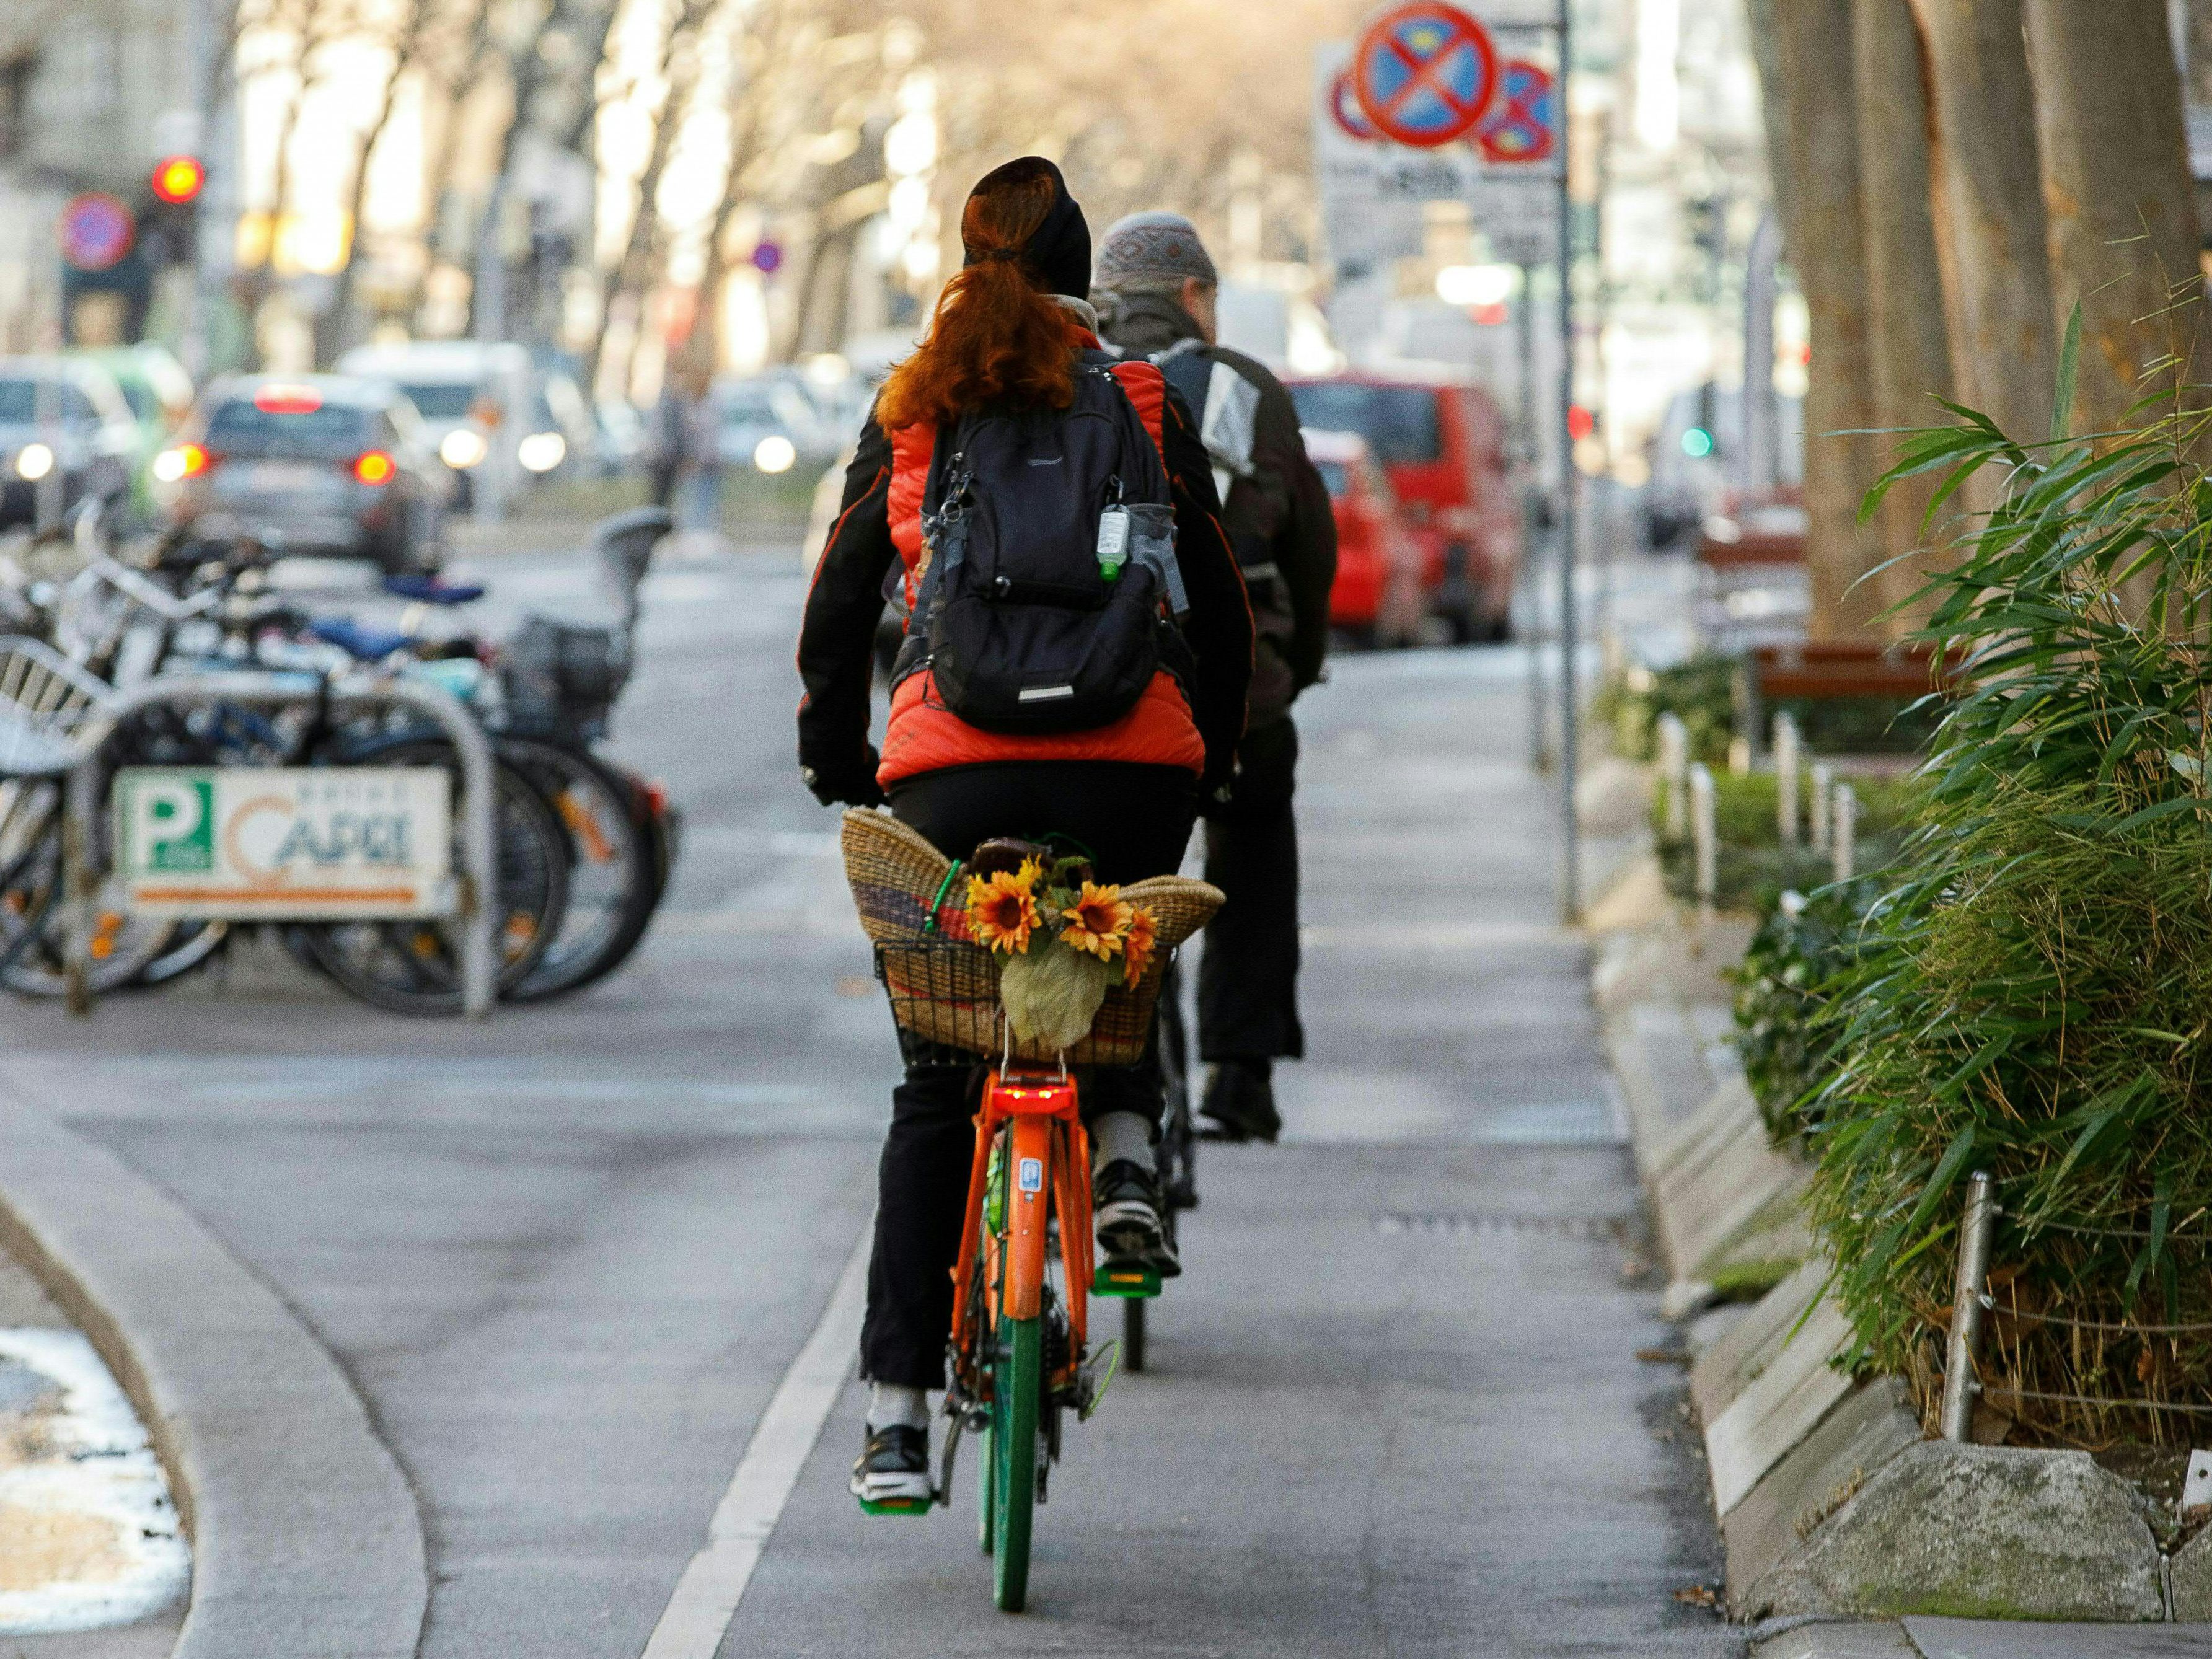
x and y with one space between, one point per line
1580 422
178 179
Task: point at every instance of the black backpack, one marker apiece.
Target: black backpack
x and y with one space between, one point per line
1051 593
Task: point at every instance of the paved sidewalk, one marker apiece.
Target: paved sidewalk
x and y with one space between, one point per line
566 1258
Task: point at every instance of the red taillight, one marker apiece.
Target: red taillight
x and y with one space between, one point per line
656 797
374 467
288 400
192 460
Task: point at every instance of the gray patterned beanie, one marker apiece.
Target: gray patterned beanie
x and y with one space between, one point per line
1144 251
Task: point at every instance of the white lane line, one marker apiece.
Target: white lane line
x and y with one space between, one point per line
706 1595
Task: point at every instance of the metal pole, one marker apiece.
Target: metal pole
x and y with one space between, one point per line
1675 771
1705 839
1959 1385
1845 836
1785 776
1570 897
1759 469
479 895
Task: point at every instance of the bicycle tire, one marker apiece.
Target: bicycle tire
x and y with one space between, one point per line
1016 1391
607 839
34 954
412 967
29 885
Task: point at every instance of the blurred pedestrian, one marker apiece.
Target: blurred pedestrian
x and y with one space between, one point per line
1157 290
672 434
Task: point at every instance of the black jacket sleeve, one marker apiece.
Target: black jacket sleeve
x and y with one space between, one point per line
1305 543
837 638
1219 626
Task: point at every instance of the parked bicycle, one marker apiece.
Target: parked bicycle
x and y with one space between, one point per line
586 845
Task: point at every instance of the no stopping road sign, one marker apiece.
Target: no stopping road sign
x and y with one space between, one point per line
1425 73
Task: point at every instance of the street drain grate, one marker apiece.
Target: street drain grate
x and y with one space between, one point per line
1447 1225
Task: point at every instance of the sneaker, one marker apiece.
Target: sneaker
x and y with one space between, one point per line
1125 1200
893 1469
1240 1102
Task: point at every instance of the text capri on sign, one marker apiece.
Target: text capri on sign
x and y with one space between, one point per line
292 842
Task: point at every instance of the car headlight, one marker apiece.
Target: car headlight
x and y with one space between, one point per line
775 453
33 462
541 452
462 448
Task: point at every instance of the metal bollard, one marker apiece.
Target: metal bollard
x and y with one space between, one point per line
1819 818
1844 838
1674 771
1785 776
1960 1384
1703 836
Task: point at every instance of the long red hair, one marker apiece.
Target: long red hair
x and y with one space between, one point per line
996 337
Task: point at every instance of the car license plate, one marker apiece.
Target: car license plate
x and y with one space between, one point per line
282 477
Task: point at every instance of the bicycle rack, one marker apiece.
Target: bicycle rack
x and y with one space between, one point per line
479 856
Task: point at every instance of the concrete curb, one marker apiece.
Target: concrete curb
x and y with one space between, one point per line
306 1541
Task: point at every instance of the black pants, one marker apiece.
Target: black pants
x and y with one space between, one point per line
1248 980
1134 821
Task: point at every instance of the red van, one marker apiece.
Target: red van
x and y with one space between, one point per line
1378 595
1442 442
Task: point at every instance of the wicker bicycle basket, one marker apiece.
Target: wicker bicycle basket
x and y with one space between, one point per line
944 987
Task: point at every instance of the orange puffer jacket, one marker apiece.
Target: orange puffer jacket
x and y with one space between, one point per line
881 519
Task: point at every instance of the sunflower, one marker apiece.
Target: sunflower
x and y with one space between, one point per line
1097 922
1137 948
1001 913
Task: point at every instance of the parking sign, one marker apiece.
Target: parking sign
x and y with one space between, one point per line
294 842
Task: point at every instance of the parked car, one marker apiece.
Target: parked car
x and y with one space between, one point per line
1442 442
772 423
329 463
65 417
476 398
1377 598
160 393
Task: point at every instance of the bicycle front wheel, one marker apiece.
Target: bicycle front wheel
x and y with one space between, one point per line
1016 1390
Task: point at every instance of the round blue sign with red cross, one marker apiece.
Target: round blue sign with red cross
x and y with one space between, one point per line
1425 73
96 232
1521 124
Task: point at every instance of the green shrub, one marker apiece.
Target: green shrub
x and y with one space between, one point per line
1751 868
2034 998
1701 691
1787 1015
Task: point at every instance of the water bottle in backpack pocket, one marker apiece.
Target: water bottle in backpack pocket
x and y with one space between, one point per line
1048 599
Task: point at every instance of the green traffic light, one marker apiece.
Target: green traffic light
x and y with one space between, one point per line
1696 443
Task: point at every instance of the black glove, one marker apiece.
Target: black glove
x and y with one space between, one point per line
853 782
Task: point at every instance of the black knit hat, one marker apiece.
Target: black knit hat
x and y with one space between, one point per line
1057 255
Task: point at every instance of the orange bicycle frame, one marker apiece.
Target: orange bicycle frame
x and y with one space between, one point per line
1047 1171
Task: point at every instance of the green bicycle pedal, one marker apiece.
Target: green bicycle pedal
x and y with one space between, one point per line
898 1505
1126 1279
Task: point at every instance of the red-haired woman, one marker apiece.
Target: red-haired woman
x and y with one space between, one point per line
1010 333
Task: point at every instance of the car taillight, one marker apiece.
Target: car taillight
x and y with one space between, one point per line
374 467
656 797
184 461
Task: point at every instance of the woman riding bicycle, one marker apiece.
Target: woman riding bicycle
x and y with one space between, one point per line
1009 340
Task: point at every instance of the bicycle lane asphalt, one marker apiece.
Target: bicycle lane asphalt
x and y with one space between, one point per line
1393 1406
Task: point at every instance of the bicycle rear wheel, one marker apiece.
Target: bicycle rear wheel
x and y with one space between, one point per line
614 877
414 966
1017 1389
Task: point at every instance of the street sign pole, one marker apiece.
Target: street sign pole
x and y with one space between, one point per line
1570 903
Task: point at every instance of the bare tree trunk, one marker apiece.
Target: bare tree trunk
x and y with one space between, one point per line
1814 42
2124 236
405 44
679 65
1909 348
1990 223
